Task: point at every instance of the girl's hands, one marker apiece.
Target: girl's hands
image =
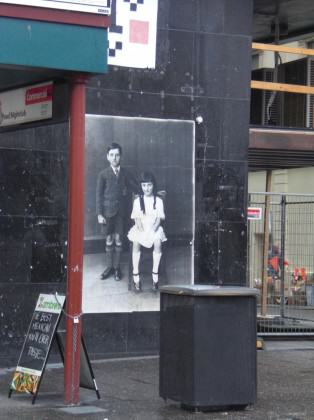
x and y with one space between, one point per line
156 225
139 225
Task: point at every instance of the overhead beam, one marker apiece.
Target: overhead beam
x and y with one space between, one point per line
282 48
282 87
271 140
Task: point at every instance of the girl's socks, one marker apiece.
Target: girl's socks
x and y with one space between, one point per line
135 261
156 261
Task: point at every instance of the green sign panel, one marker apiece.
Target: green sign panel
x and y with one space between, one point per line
53 45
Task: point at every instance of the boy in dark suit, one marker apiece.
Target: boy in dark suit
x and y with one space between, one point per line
113 185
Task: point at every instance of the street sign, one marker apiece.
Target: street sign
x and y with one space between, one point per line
87 6
30 103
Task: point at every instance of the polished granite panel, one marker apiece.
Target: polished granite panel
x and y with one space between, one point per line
206 253
208 131
34 183
232 253
32 250
143 332
222 65
168 11
177 107
61 102
195 15
131 104
15 252
116 78
174 58
47 137
15 167
173 73
232 187
214 16
158 105
52 137
220 257
33 206
105 333
238 19
207 200
235 130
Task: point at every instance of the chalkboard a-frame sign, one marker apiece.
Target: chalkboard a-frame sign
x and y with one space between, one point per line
37 344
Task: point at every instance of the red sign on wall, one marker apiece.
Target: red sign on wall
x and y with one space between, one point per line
38 94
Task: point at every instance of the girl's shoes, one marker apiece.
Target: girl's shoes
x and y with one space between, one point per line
137 282
155 281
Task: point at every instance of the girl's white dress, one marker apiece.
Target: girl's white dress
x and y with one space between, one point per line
148 235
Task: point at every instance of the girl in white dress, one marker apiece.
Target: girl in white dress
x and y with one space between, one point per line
147 213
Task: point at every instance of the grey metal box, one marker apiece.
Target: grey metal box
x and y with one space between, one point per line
208 346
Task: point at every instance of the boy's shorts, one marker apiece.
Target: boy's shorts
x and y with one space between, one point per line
113 225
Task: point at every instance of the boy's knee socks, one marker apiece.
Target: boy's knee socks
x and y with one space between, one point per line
108 256
117 256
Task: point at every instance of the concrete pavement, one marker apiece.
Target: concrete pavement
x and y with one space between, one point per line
129 391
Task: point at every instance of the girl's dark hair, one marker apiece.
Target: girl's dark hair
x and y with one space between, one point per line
147 177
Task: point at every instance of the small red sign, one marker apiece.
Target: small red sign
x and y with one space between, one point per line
254 213
38 94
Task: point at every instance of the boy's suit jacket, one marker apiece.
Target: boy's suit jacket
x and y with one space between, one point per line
112 191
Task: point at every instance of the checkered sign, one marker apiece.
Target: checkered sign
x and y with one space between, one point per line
132 35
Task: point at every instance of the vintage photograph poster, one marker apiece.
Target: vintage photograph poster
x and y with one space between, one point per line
139 211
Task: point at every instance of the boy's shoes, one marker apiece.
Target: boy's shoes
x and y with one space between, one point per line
117 274
106 273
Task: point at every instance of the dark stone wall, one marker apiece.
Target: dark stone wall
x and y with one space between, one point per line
202 69
33 220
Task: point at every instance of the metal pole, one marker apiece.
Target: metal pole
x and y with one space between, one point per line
75 241
266 244
282 256
248 265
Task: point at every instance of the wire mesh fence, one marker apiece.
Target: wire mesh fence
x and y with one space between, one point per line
281 262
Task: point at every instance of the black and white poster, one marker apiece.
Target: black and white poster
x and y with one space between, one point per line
139 211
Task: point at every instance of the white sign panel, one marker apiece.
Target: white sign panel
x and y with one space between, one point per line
87 6
31 103
132 34
50 303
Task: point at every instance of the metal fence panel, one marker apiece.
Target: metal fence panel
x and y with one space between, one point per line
286 280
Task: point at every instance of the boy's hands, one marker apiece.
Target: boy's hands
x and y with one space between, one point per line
101 219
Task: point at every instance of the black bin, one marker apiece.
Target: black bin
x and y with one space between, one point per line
208 346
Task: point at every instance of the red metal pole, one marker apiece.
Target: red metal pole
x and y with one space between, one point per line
75 241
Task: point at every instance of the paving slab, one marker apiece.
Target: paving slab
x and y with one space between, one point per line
129 391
